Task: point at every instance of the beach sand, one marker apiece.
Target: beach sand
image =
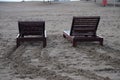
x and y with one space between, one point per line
59 60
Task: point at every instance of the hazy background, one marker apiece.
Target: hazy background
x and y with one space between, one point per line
33 0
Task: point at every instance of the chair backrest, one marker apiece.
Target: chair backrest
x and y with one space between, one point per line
31 27
84 26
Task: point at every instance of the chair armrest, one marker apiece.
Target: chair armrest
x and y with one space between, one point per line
45 34
67 32
18 35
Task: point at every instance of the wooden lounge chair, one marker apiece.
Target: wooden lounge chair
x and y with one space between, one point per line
83 29
31 30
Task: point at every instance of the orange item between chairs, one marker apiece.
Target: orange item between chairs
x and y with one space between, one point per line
104 2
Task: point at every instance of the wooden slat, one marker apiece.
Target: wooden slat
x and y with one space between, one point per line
85 25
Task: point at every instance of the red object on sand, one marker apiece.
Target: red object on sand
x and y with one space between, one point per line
104 2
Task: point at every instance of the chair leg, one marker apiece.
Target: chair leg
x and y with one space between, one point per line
101 42
74 43
64 36
44 43
17 43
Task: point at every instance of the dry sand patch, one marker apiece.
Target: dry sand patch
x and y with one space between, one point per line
59 60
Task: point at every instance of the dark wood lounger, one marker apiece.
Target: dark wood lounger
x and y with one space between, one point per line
83 29
31 31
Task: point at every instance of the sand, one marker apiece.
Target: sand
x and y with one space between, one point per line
59 60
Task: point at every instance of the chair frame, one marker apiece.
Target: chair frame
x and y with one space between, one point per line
31 28
87 33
